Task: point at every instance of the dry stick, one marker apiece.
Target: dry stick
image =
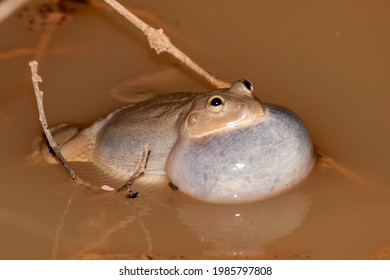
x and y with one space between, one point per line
151 17
53 144
161 43
141 169
42 118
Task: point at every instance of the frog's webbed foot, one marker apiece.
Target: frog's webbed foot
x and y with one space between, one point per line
140 169
173 187
42 151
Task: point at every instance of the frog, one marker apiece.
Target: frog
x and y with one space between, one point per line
222 146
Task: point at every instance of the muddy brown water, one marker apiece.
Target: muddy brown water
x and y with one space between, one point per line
327 61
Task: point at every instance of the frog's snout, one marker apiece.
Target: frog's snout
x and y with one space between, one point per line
243 87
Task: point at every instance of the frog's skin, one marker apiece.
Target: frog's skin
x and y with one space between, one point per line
223 146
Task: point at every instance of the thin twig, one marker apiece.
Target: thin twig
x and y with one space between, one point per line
161 43
140 169
42 118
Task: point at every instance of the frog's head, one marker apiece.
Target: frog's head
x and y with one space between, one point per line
223 109
233 149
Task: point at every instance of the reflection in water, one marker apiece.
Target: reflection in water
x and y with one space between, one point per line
236 229
154 190
25 222
128 218
221 230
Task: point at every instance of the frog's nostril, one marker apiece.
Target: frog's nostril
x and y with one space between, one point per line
248 85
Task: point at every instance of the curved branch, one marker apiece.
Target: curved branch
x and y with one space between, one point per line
161 43
42 118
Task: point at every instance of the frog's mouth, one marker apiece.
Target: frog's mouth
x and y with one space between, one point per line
236 123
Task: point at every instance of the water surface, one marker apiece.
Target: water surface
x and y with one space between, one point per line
327 61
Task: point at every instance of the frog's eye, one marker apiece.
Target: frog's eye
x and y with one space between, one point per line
248 85
216 103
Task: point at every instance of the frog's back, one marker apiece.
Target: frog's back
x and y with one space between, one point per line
120 141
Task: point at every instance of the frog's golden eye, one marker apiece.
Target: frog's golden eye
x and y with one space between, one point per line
216 103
